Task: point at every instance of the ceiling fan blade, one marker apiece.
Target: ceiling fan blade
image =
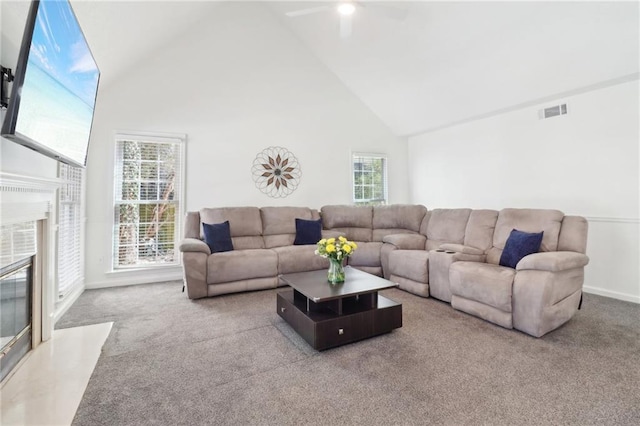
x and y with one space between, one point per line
345 26
308 11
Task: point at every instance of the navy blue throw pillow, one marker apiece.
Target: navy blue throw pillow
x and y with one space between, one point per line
308 232
518 245
218 236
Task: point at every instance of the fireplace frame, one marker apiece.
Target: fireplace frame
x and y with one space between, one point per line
31 198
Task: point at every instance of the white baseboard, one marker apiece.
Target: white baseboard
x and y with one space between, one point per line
62 307
612 294
147 278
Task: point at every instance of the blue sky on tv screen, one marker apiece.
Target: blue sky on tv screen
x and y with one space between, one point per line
60 50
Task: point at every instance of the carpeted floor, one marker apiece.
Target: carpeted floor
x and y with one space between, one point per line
232 360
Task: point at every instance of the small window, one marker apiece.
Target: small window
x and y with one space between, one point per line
369 179
70 236
147 200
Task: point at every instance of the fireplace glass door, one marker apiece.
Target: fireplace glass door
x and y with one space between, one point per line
16 282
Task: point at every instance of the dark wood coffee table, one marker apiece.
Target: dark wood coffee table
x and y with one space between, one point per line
328 315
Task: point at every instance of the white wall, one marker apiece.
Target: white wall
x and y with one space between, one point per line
585 163
235 84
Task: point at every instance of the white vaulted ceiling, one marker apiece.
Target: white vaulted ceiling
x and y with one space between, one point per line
447 62
444 63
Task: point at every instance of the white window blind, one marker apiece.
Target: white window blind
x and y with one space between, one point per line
17 241
369 178
70 227
147 200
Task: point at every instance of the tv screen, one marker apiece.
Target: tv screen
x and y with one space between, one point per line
55 85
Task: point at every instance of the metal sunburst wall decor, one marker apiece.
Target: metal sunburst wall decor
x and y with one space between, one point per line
276 172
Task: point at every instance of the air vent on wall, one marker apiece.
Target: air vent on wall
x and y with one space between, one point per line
552 111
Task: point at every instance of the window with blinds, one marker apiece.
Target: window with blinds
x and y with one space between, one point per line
369 179
70 230
147 201
17 242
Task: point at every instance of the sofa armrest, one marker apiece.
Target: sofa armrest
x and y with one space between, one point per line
440 262
194 245
459 248
553 261
406 241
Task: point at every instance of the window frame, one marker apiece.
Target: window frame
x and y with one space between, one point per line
180 140
385 178
72 185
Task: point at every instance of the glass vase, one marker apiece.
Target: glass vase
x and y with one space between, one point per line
335 275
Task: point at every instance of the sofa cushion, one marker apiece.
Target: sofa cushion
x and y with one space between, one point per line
518 245
446 226
483 282
398 216
412 264
347 216
293 259
241 265
279 224
244 221
406 241
354 222
529 220
396 219
308 232
282 220
218 236
380 234
248 242
480 228
354 234
367 254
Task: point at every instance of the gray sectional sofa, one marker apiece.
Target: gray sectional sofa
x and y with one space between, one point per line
449 254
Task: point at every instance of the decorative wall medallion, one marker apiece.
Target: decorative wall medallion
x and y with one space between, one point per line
276 172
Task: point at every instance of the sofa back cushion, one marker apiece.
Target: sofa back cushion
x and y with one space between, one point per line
245 224
279 224
397 219
480 228
526 220
446 226
354 222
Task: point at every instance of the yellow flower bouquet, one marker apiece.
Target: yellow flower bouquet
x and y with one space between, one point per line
336 250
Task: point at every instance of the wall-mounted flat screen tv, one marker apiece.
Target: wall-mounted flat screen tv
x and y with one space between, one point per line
54 90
